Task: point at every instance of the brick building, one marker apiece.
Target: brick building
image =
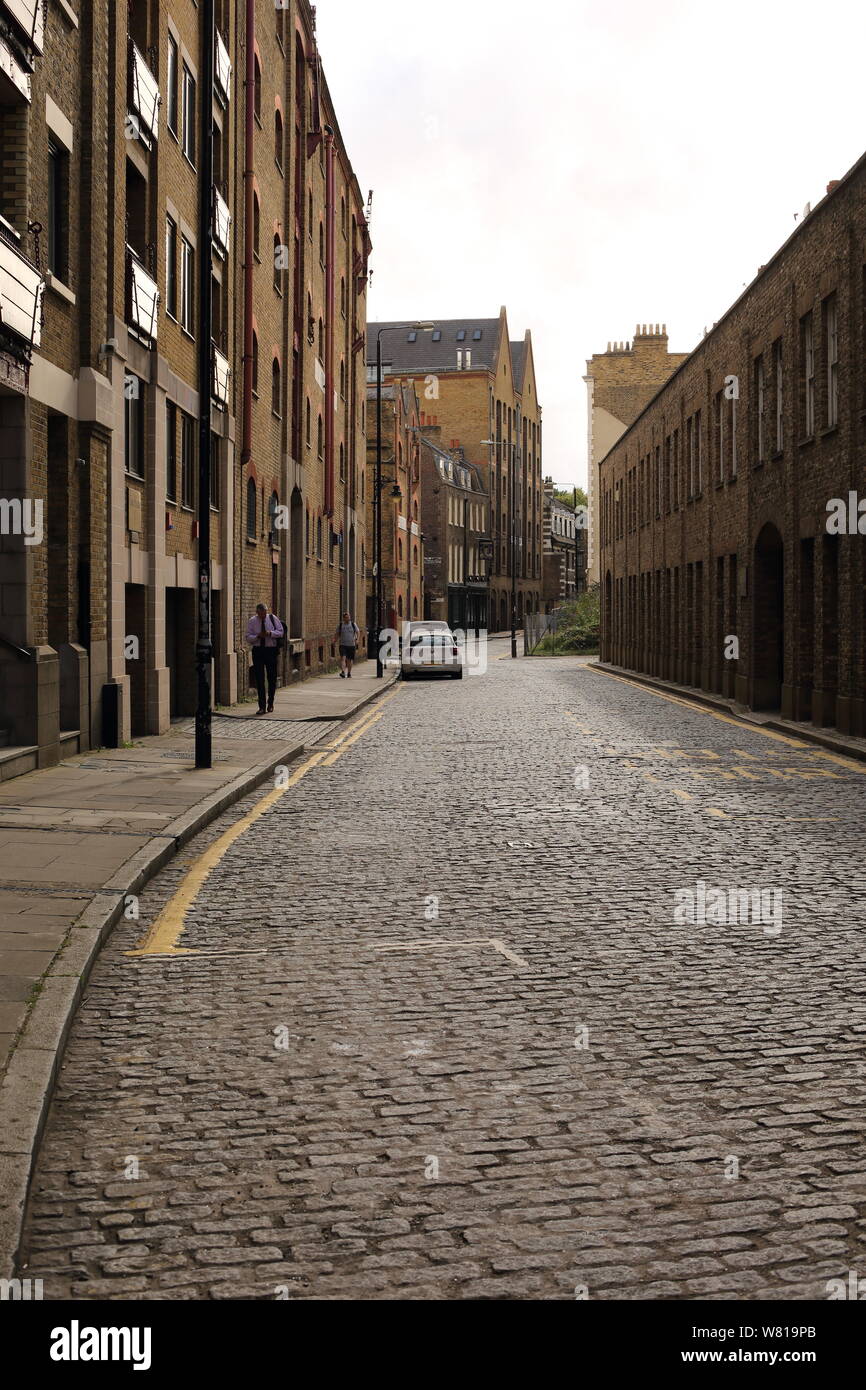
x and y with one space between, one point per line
619 383
724 564
455 519
402 543
564 556
482 388
100 129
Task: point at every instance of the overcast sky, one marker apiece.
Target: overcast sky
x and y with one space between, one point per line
622 162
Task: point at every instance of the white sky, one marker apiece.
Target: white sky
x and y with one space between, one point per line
589 165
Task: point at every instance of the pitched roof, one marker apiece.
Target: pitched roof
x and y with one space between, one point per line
518 362
432 353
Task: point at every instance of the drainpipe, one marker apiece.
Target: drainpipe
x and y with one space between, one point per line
249 171
330 275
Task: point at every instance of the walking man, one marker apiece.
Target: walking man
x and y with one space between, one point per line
263 634
348 636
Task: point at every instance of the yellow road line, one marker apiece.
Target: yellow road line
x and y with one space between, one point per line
165 932
850 763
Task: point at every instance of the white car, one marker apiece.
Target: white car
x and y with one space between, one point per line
430 649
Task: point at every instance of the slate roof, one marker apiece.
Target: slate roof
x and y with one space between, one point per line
431 354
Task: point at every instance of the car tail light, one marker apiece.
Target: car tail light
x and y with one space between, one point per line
455 651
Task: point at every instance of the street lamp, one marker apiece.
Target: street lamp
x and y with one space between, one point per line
377 499
485 554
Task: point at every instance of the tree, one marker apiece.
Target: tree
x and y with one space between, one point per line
566 495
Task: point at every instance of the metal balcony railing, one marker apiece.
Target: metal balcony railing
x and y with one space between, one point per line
14 76
222 71
144 97
221 378
142 298
29 19
222 223
21 290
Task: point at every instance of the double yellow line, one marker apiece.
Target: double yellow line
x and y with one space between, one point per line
163 936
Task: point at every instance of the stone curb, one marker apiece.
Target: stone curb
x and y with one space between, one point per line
28 1085
849 748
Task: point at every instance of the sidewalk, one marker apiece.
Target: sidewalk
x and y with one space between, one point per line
77 838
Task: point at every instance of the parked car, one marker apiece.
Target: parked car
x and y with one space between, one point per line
430 649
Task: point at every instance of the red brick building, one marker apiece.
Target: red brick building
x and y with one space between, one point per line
721 565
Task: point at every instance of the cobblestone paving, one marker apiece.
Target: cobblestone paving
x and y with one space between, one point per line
551 1088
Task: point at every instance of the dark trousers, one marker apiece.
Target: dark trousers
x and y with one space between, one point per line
265 663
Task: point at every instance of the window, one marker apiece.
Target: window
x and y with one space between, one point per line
342 463
437 335
307 433
134 431
171 451
257 223
319 538
187 286
308 533
476 336
278 137
276 384
779 383
187 460
251 509
255 364
58 201
461 336
188 103
278 260
760 407
171 266
321 243
171 86
719 433
699 455
320 448
831 351
807 347
257 90
413 337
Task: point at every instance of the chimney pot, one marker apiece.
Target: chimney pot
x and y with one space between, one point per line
833 184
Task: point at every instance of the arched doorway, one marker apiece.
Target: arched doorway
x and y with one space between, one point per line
768 620
606 616
296 565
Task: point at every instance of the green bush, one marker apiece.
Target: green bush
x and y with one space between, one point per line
578 626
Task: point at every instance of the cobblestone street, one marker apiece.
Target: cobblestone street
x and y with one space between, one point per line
439 1033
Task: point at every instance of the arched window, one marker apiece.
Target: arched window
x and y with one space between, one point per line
321 241
343 215
278 137
257 222
251 509
414 608
342 463
257 89
307 435
414 511
400 552
276 386
400 606
342 379
311 322
308 531
414 555
320 438
278 259
319 538
321 340
343 295
255 364
273 504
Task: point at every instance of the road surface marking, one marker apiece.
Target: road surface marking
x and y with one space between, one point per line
850 763
165 932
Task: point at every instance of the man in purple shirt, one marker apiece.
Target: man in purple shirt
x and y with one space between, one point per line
263 634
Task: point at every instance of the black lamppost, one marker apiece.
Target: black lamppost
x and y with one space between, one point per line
377 491
204 644
485 553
